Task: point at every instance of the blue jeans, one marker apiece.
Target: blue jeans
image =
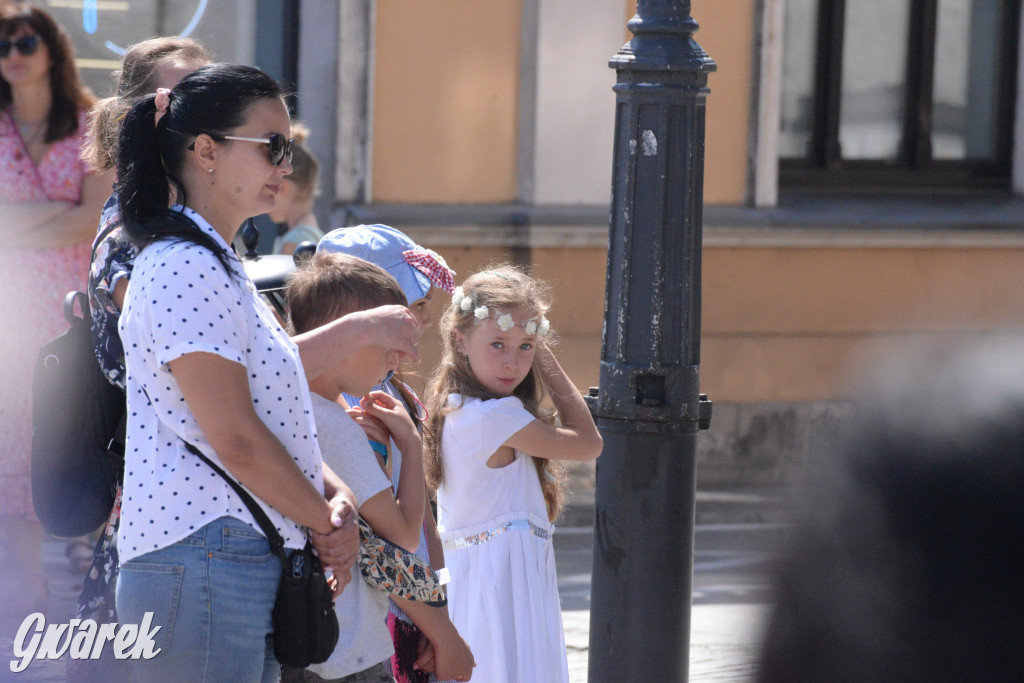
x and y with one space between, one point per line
212 593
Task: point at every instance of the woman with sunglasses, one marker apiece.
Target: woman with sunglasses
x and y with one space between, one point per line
208 364
48 209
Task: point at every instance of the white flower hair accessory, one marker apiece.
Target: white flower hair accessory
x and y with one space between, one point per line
463 303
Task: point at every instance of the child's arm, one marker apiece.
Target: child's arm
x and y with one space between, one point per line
434 548
398 518
452 658
577 438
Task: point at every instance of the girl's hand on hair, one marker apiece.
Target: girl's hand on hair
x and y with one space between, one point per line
395 418
374 428
543 358
392 327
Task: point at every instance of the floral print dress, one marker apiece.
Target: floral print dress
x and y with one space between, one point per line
31 308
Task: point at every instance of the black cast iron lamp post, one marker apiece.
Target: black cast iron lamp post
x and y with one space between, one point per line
649 407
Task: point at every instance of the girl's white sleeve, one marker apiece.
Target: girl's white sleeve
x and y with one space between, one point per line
486 425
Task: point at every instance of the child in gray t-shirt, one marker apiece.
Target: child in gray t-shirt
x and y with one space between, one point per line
326 287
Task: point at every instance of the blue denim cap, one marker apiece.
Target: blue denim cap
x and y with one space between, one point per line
383 246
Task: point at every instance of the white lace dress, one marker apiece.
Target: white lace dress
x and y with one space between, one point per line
503 594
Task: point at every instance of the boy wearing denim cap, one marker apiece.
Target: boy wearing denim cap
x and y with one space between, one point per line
418 270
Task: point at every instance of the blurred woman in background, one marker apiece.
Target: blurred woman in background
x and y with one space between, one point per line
49 203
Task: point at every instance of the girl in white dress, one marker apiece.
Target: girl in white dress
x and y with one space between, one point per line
489 455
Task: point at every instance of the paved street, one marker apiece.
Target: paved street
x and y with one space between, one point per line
732 548
735 538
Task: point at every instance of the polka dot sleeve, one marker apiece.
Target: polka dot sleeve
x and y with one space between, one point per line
191 305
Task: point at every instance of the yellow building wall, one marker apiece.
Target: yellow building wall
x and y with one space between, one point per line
780 323
794 324
445 101
727 34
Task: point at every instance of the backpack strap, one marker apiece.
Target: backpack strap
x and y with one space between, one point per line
69 307
116 445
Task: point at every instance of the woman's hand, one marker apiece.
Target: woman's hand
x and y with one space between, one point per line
339 548
392 327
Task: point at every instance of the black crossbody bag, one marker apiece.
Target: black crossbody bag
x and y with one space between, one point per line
305 625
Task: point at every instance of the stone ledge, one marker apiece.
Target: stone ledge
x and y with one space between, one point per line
990 221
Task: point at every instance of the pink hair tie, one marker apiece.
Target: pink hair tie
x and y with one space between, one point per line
162 101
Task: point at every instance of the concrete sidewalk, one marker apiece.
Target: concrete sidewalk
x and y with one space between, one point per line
723 642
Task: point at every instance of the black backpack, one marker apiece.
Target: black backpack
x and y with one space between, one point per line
78 423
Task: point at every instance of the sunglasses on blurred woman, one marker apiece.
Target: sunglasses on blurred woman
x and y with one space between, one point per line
26 45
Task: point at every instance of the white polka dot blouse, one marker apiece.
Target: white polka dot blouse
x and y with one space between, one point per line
181 300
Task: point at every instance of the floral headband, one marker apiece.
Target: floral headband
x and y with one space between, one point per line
464 303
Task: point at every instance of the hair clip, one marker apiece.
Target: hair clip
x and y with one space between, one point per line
161 101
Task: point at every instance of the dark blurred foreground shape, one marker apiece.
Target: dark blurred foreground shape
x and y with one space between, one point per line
907 559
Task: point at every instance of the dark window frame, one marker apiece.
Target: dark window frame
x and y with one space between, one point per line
824 169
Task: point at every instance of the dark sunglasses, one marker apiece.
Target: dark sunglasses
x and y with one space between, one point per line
280 146
26 45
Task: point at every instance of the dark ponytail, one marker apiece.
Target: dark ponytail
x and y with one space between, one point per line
151 157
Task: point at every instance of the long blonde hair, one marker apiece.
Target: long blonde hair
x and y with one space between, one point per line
137 77
503 287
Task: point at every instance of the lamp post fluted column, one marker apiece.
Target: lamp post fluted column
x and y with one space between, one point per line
648 405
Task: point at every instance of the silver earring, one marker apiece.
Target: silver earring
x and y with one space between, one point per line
209 170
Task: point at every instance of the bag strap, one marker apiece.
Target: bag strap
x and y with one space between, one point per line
276 541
